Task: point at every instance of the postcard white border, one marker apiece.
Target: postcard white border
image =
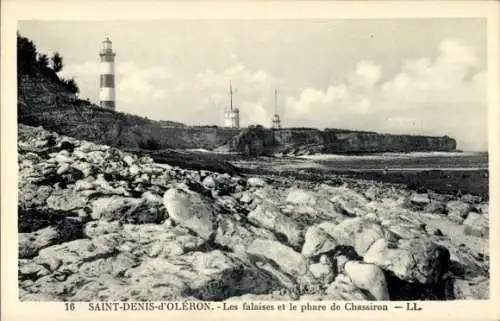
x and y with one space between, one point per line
12 11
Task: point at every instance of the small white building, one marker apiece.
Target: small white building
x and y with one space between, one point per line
231 115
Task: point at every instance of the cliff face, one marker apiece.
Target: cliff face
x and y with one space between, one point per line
309 141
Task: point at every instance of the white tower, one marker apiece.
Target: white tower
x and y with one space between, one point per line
107 93
231 115
276 117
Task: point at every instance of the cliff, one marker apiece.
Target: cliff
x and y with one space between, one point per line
258 141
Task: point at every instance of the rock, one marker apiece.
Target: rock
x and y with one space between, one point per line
342 289
457 211
476 289
66 200
70 255
415 260
301 197
33 196
97 228
236 236
127 209
157 240
30 270
31 243
269 216
209 182
285 257
323 272
476 225
471 199
433 231
256 182
420 200
190 210
348 201
317 241
368 277
209 276
358 233
435 207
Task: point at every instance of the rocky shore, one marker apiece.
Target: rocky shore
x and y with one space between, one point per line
97 223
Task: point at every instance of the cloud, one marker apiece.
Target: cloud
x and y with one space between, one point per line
426 96
366 74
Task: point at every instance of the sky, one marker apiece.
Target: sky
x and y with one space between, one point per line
402 76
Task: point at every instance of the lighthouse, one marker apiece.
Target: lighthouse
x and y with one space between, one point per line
107 87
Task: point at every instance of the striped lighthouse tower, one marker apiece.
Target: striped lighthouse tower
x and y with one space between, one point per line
107 93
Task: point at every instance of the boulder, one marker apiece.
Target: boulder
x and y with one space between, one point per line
357 232
457 211
343 289
323 272
190 210
256 182
211 276
269 216
317 241
209 182
368 277
414 260
435 207
99 227
420 200
477 225
237 236
285 257
127 209
301 197
70 255
66 200
475 289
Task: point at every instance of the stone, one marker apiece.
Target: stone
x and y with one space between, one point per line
30 243
358 233
342 289
348 201
269 216
190 210
209 276
209 182
457 211
476 225
420 200
33 196
414 260
471 199
237 236
435 207
317 241
256 182
70 255
285 257
301 197
368 277
66 200
127 209
323 272
99 227
475 289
